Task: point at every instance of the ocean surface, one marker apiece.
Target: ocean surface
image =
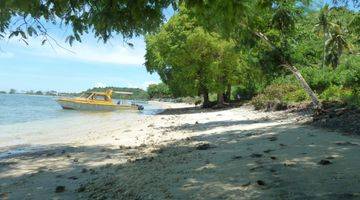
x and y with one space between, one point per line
33 120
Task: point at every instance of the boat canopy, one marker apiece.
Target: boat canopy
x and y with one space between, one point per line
106 96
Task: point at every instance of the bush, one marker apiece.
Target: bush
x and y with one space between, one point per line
278 96
336 93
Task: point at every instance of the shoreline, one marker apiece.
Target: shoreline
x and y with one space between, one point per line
185 152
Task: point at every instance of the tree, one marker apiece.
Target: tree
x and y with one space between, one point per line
335 46
160 90
12 91
322 27
254 17
190 60
104 18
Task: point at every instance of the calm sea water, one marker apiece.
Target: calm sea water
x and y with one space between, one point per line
18 108
27 122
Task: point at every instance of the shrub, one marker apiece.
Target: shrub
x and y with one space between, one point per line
336 93
277 96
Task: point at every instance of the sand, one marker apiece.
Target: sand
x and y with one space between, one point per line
189 153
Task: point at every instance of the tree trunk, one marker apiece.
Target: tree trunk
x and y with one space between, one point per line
206 103
324 50
228 93
315 101
220 99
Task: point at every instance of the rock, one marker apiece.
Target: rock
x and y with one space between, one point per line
260 182
82 188
236 157
73 178
59 189
268 150
84 170
76 160
273 157
282 145
325 162
256 155
289 163
203 146
273 138
196 122
347 143
246 184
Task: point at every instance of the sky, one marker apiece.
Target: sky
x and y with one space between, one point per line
84 65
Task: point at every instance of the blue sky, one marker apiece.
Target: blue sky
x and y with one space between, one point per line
35 67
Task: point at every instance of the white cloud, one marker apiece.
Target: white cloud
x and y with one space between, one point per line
120 53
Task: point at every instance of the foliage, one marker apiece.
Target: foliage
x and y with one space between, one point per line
190 60
160 90
103 18
284 94
12 91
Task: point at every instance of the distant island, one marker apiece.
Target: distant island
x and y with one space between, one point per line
138 93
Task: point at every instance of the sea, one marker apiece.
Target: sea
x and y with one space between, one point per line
31 120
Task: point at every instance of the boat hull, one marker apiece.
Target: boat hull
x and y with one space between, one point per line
71 105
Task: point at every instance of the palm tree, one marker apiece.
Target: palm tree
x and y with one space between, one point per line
335 46
322 28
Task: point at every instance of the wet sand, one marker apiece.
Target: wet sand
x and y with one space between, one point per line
187 153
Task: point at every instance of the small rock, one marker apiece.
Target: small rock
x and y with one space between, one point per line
196 122
60 189
203 146
59 176
273 158
76 160
68 155
236 157
325 162
282 145
73 178
273 138
289 163
84 170
245 184
260 182
346 143
82 188
256 155
268 151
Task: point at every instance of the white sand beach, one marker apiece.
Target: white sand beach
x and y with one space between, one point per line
190 153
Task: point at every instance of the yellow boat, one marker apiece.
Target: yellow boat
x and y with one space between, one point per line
97 101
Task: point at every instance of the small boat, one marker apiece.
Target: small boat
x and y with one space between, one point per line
97 101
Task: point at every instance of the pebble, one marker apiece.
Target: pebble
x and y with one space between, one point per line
59 189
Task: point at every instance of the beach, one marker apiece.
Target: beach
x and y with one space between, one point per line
190 153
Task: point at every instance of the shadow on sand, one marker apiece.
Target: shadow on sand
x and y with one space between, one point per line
281 162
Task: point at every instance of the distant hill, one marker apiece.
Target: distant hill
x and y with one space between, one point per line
138 93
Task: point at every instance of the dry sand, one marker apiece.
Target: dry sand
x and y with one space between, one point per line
187 153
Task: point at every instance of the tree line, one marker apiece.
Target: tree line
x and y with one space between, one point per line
214 47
